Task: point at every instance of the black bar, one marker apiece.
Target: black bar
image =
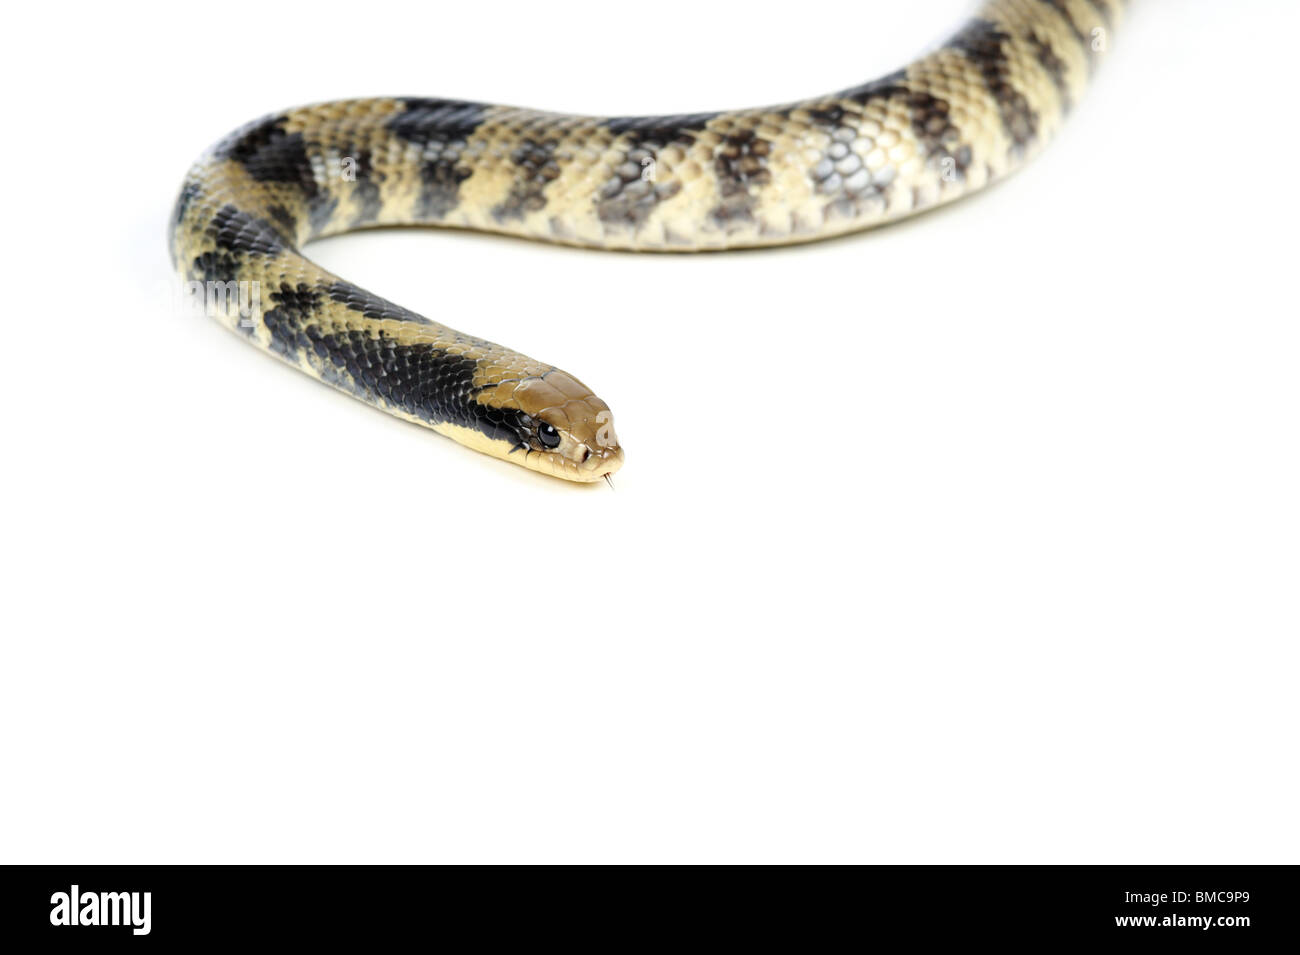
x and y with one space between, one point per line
1237 907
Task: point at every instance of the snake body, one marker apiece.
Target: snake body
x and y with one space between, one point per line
956 119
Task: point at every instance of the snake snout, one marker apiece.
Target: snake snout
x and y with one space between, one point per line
602 461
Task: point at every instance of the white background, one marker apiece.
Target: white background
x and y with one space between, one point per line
973 539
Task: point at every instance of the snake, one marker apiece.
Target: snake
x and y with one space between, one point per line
965 114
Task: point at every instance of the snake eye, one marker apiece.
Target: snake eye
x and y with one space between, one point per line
549 437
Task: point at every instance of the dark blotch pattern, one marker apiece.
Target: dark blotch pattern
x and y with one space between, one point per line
239 232
1054 66
272 155
368 201
217 266
932 125
283 218
435 121
1083 36
630 195
740 163
365 191
986 47
295 308
369 305
535 168
442 129
440 188
320 210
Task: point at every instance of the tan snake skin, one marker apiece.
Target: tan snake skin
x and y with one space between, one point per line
953 121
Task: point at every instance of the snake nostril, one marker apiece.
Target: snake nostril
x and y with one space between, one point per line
586 453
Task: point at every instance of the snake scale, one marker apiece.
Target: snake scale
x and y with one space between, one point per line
960 117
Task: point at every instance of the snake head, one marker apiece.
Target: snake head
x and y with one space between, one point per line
548 422
570 431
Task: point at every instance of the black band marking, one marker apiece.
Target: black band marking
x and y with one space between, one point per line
740 164
986 47
442 129
237 231
272 155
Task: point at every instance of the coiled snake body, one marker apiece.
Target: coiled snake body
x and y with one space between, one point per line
953 121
